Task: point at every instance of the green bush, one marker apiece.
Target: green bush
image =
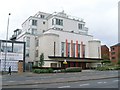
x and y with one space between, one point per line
103 68
73 69
50 70
117 68
36 71
62 70
43 70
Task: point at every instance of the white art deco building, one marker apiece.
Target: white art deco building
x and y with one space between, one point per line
59 37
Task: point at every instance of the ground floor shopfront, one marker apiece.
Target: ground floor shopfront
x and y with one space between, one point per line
85 63
74 64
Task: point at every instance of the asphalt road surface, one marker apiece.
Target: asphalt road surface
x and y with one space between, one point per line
84 74
102 83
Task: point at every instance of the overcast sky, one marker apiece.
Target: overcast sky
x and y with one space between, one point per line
101 16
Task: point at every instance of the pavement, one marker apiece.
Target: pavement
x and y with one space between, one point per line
56 80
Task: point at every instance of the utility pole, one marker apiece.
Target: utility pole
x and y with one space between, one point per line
6 42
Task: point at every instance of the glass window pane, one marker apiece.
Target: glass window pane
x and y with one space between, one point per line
18 48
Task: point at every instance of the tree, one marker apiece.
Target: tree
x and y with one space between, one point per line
118 62
105 57
41 60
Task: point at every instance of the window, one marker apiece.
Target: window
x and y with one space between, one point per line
34 31
34 22
80 26
59 29
62 49
18 48
113 57
83 51
53 64
78 50
27 53
9 47
42 16
3 47
113 53
28 42
43 22
68 49
73 49
36 53
52 21
59 22
36 42
113 48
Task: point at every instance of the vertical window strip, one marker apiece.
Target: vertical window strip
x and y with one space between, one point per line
62 48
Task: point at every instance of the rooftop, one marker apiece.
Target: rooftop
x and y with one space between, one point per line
60 14
118 44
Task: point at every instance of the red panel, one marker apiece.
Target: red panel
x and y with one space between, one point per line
66 48
71 48
76 48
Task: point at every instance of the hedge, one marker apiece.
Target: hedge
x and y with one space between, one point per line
104 68
43 70
50 70
73 69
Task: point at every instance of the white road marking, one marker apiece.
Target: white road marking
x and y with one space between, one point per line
64 87
104 82
115 80
84 84
99 82
10 81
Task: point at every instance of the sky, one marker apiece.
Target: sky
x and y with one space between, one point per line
101 16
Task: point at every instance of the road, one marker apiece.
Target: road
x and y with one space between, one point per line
16 78
76 80
102 83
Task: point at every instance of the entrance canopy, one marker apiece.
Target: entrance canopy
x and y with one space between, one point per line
76 59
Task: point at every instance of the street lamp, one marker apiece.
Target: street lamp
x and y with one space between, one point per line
64 63
6 42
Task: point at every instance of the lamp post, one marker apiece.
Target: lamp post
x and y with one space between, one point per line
6 42
64 63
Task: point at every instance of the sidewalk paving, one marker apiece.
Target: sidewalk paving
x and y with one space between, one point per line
56 80
46 74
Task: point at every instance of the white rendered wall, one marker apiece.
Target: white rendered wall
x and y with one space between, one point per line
95 49
31 57
68 24
72 36
46 45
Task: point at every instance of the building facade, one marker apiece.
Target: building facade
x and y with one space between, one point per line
59 37
105 53
115 53
119 21
11 52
